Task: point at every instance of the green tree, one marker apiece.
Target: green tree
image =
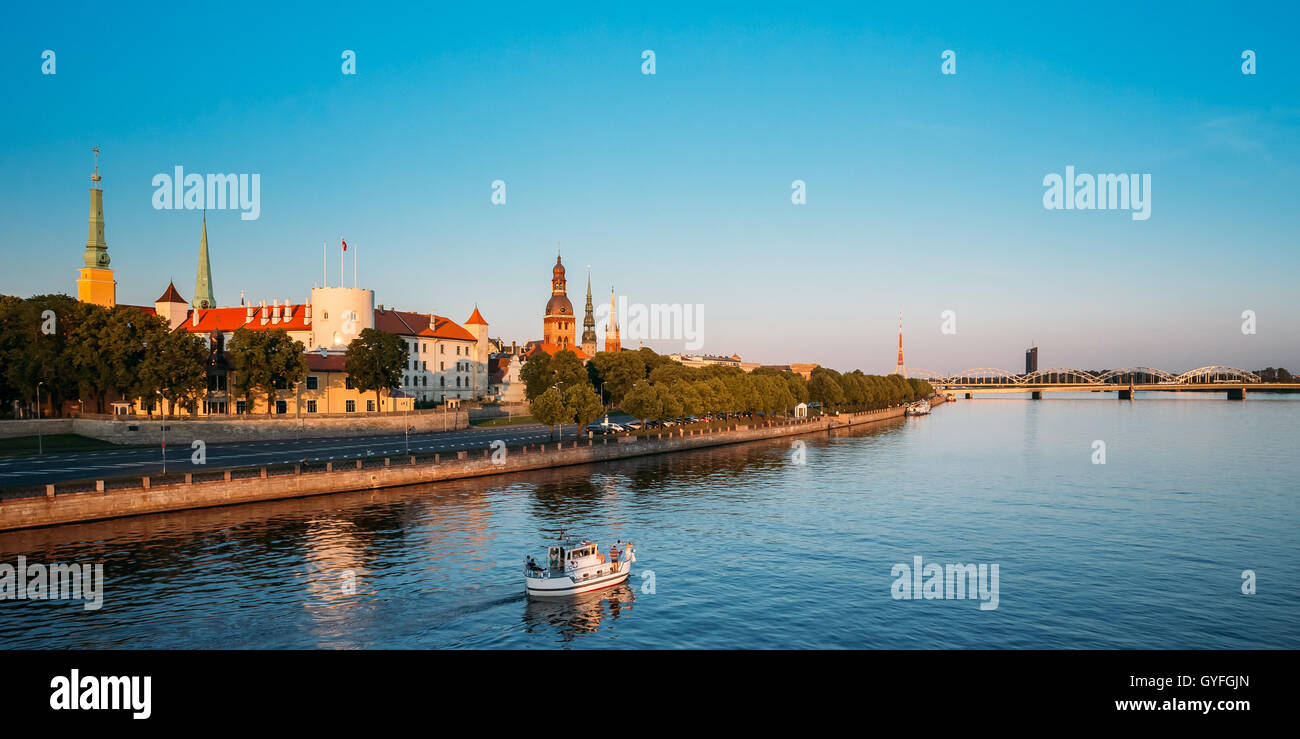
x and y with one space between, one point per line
641 402
40 349
125 339
174 367
549 408
543 370
582 405
374 361
87 349
619 371
536 374
824 388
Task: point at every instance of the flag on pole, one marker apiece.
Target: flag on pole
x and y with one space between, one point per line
345 244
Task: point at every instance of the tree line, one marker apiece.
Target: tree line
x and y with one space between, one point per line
651 386
80 352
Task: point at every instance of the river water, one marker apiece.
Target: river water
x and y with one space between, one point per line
761 545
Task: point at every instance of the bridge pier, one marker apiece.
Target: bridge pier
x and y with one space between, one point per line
1126 394
970 395
1036 395
1238 393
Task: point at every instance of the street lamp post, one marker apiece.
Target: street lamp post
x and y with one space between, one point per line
164 437
40 442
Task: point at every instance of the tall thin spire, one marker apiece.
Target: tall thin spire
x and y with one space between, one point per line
589 322
612 342
203 282
899 367
96 247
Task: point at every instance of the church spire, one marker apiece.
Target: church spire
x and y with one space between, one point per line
203 282
95 283
589 322
96 248
612 342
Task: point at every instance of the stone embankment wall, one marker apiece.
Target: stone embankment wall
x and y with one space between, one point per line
248 486
182 432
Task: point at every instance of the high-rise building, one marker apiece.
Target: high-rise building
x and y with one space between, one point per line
1031 359
203 281
589 323
95 283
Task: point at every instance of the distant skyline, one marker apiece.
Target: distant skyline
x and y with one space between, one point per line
924 191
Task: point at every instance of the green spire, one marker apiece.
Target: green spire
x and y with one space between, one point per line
203 283
96 248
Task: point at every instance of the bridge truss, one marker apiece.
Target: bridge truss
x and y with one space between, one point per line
1057 376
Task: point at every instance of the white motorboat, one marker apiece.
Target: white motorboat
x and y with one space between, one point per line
920 408
573 567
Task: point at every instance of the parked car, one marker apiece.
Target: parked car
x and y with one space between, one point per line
605 427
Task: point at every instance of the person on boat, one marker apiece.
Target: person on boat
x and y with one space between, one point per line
613 554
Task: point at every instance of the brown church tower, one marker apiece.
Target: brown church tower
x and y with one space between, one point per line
558 326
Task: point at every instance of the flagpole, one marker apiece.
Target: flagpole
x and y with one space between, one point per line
341 255
354 269
324 265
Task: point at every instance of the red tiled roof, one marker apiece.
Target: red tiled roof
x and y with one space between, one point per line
535 346
420 324
171 296
329 363
475 318
231 319
445 328
146 309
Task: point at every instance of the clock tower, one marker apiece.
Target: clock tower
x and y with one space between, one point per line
95 283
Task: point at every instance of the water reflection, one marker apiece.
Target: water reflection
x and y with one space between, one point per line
440 565
578 615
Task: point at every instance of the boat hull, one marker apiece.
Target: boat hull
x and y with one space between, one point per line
553 587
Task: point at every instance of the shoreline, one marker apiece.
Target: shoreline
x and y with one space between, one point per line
54 509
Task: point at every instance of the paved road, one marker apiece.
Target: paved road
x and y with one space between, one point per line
39 470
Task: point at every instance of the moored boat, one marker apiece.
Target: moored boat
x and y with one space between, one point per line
574 567
919 408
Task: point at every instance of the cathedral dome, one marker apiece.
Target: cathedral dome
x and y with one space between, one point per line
559 305
558 271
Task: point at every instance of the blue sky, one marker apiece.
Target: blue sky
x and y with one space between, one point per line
924 190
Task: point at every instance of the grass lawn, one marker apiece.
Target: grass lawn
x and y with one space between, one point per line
23 445
503 421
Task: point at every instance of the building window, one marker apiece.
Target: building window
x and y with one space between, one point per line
424 366
347 383
312 382
442 382
311 406
350 406
442 348
241 406
424 348
370 406
281 407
